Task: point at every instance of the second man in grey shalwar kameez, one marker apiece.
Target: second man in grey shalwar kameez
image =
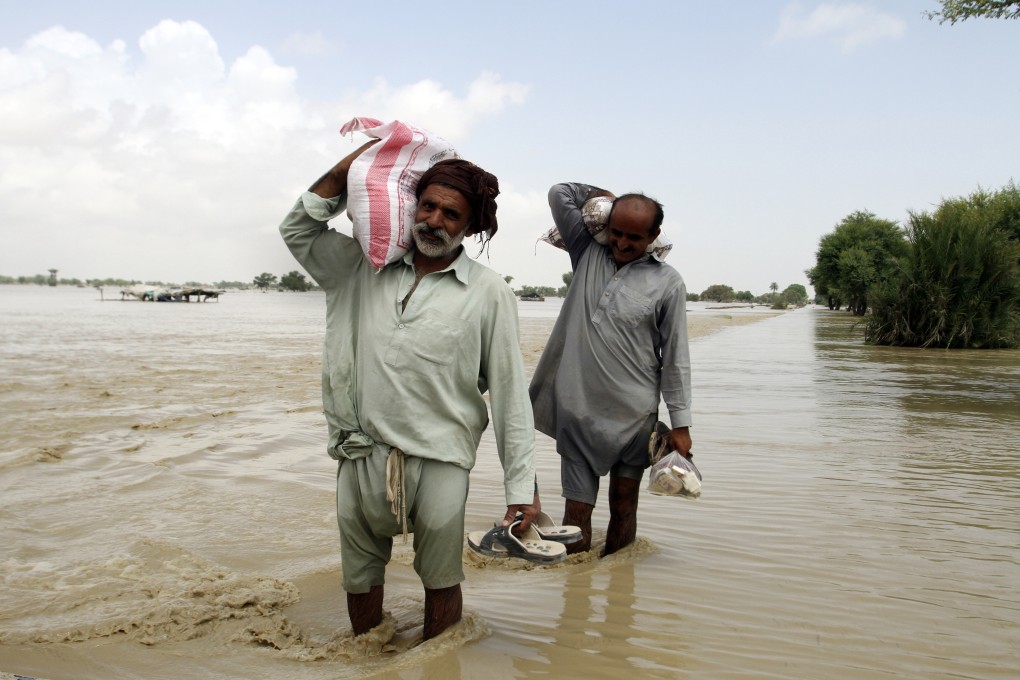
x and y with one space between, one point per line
619 344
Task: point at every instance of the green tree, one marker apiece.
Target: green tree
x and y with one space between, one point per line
537 291
795 294
774 287
959 285
823 295
1001 208
567 278
718 293
858 274
857 256
295 280
961 10
38 279
264 281
744 296
508 279
693 297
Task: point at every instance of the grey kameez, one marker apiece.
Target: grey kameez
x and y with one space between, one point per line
619 343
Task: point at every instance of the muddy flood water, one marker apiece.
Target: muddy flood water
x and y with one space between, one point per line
167 510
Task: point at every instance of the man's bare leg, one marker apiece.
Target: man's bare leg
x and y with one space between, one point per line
623 502
365 609
443 608
578 514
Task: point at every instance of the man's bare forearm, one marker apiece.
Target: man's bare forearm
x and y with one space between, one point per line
334 182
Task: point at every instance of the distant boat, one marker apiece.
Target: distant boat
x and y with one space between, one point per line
139 291
149 293
532 297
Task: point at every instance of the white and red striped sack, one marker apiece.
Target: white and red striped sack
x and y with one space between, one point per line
381 183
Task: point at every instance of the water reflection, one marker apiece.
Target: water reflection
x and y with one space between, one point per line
958 387
946 470
603 616
946 409
885 480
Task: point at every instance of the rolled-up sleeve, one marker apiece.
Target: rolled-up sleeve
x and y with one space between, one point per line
565 202
323 252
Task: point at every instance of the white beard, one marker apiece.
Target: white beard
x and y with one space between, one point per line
436 251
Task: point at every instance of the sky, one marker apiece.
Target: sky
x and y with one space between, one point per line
166 141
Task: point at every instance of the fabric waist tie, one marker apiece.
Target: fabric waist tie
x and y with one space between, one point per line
395 487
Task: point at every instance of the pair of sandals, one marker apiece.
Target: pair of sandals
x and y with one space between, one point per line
543 543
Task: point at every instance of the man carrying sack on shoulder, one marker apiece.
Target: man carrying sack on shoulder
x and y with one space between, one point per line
619 343
409 351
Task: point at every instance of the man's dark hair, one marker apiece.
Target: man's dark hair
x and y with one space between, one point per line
651 202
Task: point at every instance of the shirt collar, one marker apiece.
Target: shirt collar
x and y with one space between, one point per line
644 257
461 267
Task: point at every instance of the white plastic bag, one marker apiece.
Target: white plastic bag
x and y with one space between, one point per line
381 185
675 475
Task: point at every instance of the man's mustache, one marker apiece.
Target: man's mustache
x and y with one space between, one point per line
435 232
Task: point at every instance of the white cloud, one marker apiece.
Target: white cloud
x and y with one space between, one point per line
169 163
523 218
489 94
851 25
59 80
59 41
429 105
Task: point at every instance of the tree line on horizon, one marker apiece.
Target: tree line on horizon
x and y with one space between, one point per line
948 278
794 294
46 280
291 281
